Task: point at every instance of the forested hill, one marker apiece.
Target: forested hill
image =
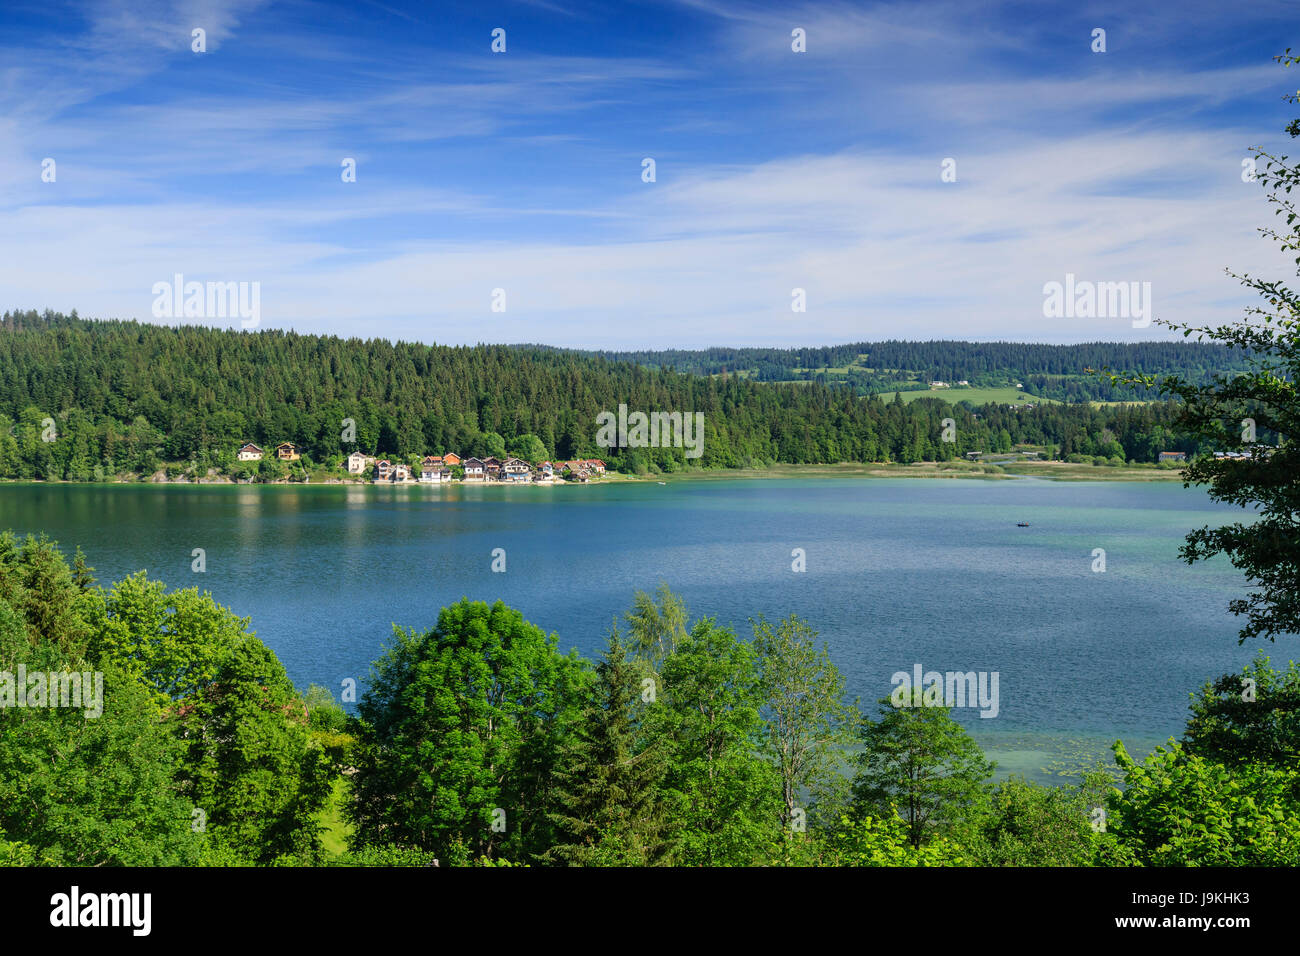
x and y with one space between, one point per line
126 397
1049 371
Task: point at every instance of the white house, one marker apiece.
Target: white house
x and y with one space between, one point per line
250 452
358 463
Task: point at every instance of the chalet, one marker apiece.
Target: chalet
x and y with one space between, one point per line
431 461
492 468
1173 456
358 463
938 384
383 470
963 382
434 475
474 470
545 471
594 465
451 460
400 473
515 469
575 471
250 452
287 451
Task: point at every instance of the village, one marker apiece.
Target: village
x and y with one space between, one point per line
444 469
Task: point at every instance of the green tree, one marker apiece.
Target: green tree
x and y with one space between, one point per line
725 794
656 624
455 726
925 763
250 763
1235 411
1249 717
610 805
1180 809
809 724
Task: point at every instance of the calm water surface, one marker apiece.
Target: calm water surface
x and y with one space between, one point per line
899 572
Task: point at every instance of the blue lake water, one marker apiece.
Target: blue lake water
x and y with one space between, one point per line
899 572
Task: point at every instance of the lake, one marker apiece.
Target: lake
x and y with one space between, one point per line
899 572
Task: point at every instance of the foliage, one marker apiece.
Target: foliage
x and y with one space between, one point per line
925 762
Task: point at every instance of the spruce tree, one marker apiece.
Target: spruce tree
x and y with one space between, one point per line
610 802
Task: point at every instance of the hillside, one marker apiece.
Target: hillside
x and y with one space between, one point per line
124 397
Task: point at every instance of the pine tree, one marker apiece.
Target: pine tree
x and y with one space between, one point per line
611 805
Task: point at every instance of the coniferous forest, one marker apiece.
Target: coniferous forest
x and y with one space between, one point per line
84 400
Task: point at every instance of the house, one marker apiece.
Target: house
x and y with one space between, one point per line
594 465
515 469
434 475
938 384
545 471
400 473
1173 456
963 382
431 461
358 463
287 451
575 471
451 460
383 470
492 468
250 452
474 469
974 455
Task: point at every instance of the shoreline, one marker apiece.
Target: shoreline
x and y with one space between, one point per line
1019 470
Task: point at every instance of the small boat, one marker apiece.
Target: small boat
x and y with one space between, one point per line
1022 524
663 482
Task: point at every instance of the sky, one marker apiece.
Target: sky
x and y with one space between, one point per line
502 196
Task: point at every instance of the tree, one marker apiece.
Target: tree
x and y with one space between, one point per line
454 733
1233 411
923 761
1030 825
1180 809
250 763
809 726
84 790
610 805
1249 717
725 794
656 626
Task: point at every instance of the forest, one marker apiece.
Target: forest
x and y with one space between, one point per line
1059 372
477 741
85 400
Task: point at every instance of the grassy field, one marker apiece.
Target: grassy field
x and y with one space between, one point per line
977 396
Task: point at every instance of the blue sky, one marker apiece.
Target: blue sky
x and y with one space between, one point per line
522 170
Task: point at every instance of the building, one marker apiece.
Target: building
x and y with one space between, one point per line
594 465
287 451
575 471
451 460
383 470
1173 456
358 463
492 468
434 475
474 469
938 384
515 469
545 471
963 382
431 461
250 452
